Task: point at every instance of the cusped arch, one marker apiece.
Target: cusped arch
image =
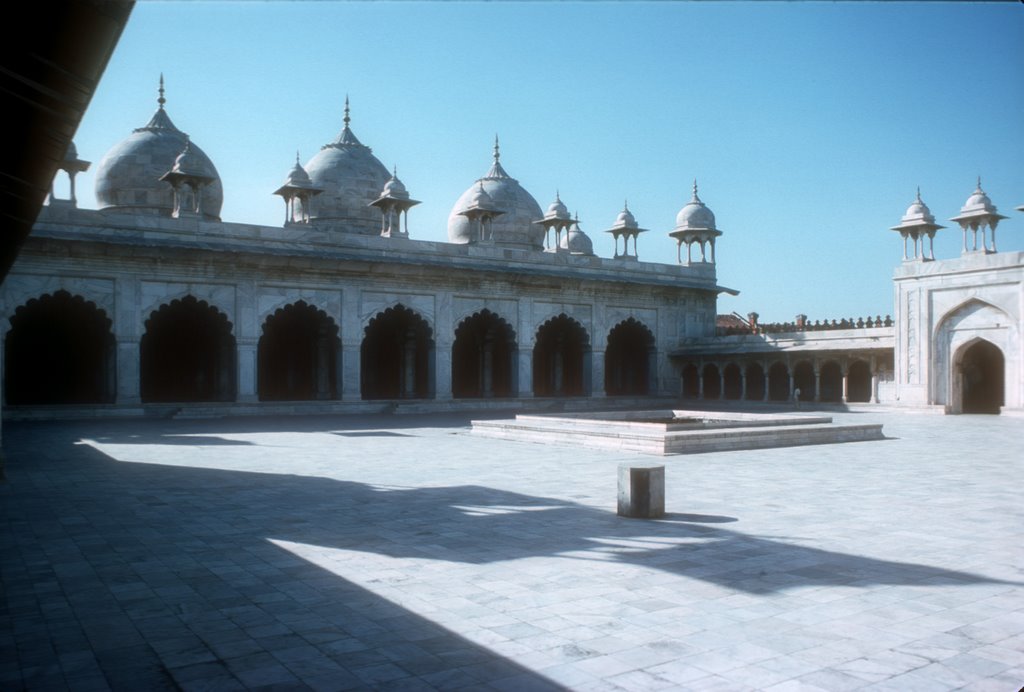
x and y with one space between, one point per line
187 353
60 349
630 359
484 357
397 355
297 355
561 358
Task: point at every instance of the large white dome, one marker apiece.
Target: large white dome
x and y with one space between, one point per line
351 178
128 176
515 227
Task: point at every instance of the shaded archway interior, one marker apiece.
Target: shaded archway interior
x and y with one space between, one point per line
561 358
982 371
298 355
484 357
60 350
397 356
629 359
187 354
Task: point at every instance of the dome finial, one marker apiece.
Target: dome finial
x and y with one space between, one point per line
346 119
394 171
625 205
979 184
918 193
695 197
296 157
558 198
161 101
497 148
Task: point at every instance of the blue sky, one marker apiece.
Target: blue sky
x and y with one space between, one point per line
807 125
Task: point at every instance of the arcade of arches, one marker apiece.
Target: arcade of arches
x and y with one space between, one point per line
61 349
812 379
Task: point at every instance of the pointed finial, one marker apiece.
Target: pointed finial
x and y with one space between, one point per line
296 157
979 183
695 197
394 171
625 205
347 119
918 193
557 197
497 149
161 101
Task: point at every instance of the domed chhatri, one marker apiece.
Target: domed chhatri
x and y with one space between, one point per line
351 178
297 191
695 225
627 227
917 224
556 220
515 227
128 176
979 214
394 201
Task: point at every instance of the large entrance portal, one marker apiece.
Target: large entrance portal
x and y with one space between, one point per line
483 357
59 351
297 355
187 354
560 358
397 356
628 361
981 371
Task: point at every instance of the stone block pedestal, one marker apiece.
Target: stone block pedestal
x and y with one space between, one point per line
641 490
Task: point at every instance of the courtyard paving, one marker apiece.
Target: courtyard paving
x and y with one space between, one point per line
401 552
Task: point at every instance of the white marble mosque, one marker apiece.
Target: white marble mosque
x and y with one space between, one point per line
153 303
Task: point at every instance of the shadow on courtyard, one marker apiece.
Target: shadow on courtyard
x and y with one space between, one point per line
143 555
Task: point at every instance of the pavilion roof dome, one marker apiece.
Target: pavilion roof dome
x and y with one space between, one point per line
695 215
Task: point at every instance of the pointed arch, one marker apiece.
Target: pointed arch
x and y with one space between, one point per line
397 356
979 377
561 358
60 350
630 359
297 355
187 353
732 380
778 382
484 357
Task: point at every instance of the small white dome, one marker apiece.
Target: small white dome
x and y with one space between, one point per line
695 215
557 210
625 219
577 242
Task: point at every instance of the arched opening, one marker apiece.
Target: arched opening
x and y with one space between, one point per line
187 354
297 355
397 356
981 370
831 382
803 379
60 350
778 382
484 357
712 381
733 378
561 358
691 381
755 382
858 382
629 359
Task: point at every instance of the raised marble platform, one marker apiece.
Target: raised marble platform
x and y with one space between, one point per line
675 431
